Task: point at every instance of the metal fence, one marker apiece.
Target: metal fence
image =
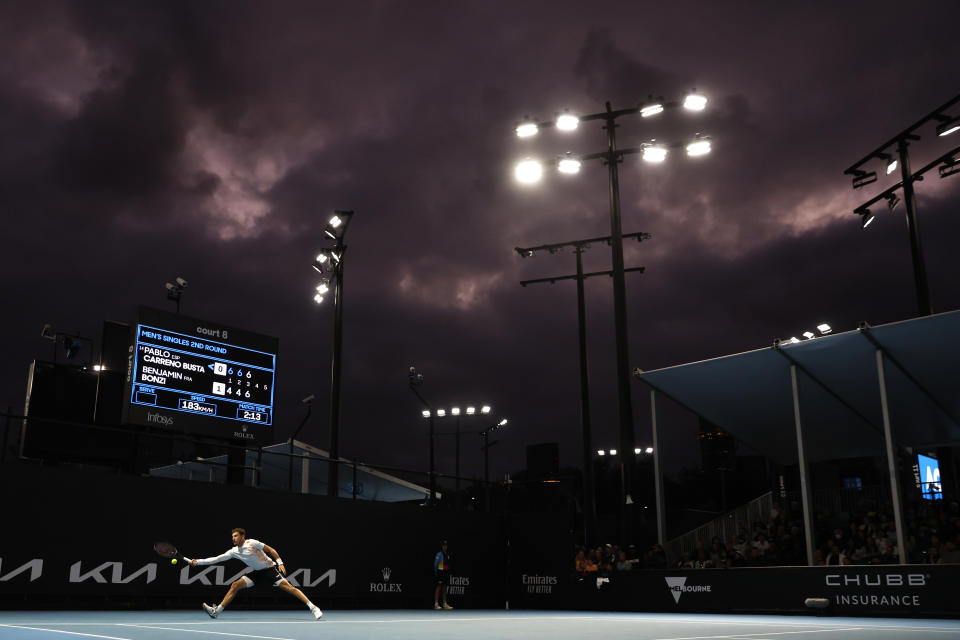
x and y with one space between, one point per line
725 526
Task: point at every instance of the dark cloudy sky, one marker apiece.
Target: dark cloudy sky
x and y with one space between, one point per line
146 140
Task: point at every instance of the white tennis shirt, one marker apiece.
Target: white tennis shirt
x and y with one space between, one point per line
250 553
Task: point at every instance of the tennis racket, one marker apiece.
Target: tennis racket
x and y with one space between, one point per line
169 550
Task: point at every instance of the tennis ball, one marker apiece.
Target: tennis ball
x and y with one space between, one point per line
173 561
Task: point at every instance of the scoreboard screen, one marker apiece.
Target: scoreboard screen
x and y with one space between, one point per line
195 376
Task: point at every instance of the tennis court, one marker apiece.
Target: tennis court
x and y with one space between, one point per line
465 625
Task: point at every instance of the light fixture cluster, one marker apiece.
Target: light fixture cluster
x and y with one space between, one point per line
822 330
637 451
530 169
948 165
327 262
470 410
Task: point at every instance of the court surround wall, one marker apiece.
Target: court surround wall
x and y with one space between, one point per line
72 539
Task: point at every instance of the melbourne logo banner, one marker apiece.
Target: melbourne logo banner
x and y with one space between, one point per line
678 587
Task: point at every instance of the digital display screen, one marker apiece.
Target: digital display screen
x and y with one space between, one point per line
190 375
929 473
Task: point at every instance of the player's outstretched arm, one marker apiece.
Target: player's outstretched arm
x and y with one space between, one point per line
276 558
226 555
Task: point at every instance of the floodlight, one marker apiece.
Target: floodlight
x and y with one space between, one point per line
794 340
863 178
502 422
808 334
950 167
613 452
651 110
947 127
527 129
654 153
528 171
181 282
892 201
441 412
865 218
824 328
601 452
318 298
485 409
337 224
425 413
699 147
99 367
648 450
637 450
567 122
320 261
455 411
568 164
891 164
471 411
170 286
694 102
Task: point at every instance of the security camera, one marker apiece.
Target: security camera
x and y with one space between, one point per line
309 399
181 281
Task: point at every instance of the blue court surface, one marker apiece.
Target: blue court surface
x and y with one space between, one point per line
468 625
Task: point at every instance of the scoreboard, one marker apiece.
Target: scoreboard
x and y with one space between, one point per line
194 376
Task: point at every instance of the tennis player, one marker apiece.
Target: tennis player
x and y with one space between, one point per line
441 572
267 568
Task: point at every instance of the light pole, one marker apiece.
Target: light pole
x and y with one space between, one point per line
416 380
329 263
530 171
949 163
579 246
485 447
454 412
175 290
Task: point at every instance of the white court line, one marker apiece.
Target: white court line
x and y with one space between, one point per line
754 635
217 633
708 619
74 633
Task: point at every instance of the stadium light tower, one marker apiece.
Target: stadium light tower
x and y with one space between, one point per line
948 122
455 412
329 263
579 246
531 170
416 380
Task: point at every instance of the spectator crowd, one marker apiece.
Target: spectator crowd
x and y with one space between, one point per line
865 535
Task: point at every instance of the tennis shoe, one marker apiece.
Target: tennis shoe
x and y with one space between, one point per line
436 606
447 607
316 612
211 611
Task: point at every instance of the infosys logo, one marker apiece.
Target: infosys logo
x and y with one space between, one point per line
157 418
678 587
